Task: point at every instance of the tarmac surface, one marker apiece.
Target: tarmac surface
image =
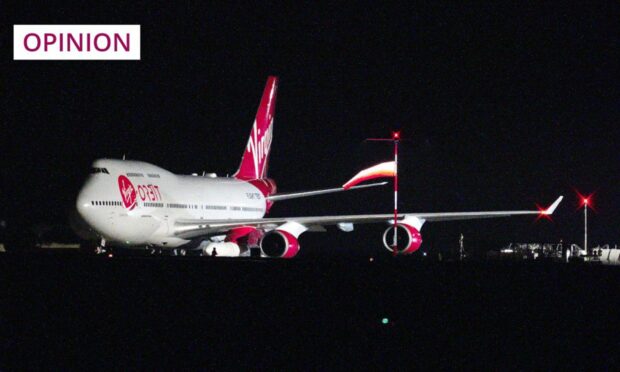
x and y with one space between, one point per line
68 310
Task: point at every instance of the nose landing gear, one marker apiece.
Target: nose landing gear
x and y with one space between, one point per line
101 247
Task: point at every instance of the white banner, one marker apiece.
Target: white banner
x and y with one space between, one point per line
76 42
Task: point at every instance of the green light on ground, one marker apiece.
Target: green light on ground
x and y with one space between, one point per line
385 321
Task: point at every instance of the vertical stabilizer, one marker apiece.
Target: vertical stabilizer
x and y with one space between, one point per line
256 155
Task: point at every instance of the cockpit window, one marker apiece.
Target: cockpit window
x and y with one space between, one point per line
99 170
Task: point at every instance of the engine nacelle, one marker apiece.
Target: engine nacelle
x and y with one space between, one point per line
222 249
409 238
279 243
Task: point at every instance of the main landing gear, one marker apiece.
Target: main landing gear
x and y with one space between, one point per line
179 252
156 251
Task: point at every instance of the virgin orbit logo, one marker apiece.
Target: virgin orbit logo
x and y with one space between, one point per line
76 42
259 148
128 192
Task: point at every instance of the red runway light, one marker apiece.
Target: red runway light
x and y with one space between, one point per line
395 135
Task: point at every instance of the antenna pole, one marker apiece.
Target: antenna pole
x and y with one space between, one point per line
585 227
395 136
395 139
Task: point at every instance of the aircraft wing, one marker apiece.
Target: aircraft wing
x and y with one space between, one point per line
193 228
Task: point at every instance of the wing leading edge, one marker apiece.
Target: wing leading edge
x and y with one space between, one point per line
193 228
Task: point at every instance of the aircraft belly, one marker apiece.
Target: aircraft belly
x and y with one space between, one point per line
135 229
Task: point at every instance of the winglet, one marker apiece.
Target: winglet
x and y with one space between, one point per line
553 206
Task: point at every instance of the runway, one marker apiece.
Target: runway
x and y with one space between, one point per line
64 310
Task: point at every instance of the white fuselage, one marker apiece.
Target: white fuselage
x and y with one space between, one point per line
137 203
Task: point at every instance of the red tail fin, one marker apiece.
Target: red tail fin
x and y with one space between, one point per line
256 155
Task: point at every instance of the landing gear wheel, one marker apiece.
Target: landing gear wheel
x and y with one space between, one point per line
566 255
101 247
183 252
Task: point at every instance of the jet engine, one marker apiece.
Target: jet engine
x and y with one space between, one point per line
279 243
408 237
222 249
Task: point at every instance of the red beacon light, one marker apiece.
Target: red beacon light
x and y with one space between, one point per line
586 201
395 135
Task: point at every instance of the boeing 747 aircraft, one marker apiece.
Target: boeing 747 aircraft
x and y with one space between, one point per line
137 204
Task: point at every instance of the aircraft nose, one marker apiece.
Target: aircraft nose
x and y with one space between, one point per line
84 202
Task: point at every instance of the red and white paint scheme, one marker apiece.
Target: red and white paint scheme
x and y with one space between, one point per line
137 204
387 169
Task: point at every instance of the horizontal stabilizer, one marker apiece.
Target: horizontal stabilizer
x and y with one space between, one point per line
387 169
303 194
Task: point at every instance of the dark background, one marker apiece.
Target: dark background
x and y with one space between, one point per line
503 106
83 312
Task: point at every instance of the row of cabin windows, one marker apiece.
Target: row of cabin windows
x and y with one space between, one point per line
250 209
110 203
216 207
183 206
151 175
213 207
107 203
246 209
196 206
130 174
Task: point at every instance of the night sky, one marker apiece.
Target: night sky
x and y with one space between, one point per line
503 107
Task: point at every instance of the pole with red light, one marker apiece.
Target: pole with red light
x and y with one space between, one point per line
585 225
395 139
586 202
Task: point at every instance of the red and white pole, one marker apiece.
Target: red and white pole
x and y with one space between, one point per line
395 138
